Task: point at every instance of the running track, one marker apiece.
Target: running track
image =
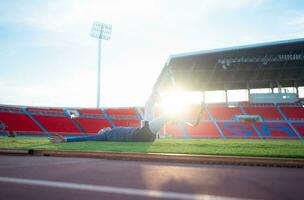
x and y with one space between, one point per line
44 178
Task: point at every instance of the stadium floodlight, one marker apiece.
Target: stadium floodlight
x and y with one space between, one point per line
102 32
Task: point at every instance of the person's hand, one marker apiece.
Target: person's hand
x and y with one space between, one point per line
57 139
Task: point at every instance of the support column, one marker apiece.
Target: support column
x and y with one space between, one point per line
226 97
248 91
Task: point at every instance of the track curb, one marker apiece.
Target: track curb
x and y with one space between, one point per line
14 152
159 157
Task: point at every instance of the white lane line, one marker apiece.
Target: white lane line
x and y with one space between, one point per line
115 190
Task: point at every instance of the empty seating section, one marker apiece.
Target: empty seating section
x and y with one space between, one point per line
10 109
267 113
276 130
238 130
90 112
124 122
209 131
46 110
122 112
256 104
20 123
299 126
222 112
172 130
220 123
193 111
58 124
92 125
124 116
293 113
289 104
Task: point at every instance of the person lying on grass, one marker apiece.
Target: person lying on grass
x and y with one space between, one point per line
147 133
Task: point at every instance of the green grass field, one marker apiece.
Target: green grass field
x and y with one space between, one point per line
232 147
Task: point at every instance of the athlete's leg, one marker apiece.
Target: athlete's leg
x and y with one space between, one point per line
155 124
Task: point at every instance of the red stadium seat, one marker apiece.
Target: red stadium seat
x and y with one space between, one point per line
267 113
238 130
203 130
124 122
294 104
192 111
276 130
122 112
20 122
10 108
92 125
92 120
293 113
222 112
90 112
300 127
46 110
173 131
58 124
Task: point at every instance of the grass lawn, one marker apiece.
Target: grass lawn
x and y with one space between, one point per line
232 147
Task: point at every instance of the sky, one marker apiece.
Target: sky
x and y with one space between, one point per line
47 57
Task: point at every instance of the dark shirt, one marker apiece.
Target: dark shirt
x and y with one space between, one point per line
121 134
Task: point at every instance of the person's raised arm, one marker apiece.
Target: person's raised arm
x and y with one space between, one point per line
100 136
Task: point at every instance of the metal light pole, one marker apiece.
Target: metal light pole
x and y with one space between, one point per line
102 32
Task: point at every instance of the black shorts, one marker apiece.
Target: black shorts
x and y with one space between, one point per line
144 134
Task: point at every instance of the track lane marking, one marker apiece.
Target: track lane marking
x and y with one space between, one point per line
115 190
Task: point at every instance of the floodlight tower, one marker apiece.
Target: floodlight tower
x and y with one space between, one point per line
102 32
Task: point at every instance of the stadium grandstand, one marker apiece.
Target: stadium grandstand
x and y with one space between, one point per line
273 67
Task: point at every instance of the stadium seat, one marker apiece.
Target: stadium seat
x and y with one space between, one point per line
20 123
10 109
58 124
238 130
294 104
203 130
125 122
173 131
122 113
46 110
192 112
299 126
293 113
276 130
223 112
92 125
90 112
90 121
267 113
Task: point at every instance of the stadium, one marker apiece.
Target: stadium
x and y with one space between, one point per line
276 114
231 128
153 100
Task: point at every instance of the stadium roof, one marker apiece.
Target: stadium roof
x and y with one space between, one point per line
261 65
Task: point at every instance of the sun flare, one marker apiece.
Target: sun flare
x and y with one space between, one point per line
176 102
